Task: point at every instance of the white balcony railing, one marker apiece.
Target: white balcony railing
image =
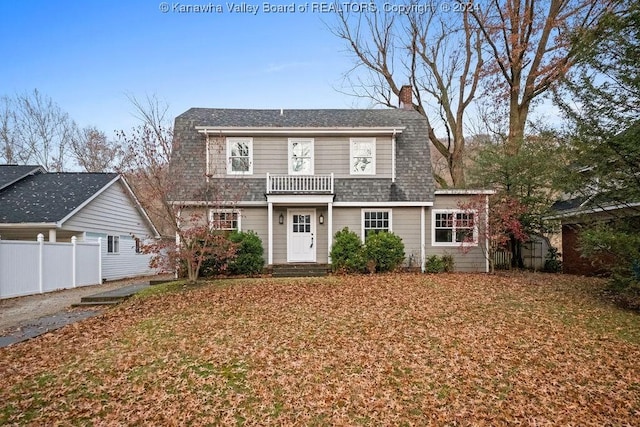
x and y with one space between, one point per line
307 184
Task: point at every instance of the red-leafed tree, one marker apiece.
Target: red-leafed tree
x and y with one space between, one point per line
502 229
190 239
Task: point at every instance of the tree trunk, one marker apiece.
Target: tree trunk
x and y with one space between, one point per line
517 122
516 253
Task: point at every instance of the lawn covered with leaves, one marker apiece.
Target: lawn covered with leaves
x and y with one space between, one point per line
404 349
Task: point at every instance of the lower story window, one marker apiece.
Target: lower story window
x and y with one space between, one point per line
138 245
225 220
113 244
454 227
375 221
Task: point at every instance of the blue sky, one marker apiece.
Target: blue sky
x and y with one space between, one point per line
89 55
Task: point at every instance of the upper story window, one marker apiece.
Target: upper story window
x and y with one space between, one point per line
375 221
362 156
240 156
300 156
224 219
454 228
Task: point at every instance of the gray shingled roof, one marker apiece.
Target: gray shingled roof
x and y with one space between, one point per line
296 118
12 173
49 197
414 181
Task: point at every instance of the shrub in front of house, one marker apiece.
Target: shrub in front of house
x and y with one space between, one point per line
347 252
383 251
439 264
248 259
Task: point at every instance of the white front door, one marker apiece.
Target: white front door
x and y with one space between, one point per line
301 239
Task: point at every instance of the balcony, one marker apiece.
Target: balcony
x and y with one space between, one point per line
299 184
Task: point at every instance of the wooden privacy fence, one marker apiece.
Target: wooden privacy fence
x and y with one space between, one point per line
36 267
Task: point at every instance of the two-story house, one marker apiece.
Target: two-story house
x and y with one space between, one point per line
296 177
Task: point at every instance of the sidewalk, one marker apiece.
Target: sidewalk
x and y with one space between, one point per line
27 317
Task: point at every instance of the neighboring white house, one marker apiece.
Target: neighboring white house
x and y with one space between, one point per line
85 205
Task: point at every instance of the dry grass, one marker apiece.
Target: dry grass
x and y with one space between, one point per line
366 350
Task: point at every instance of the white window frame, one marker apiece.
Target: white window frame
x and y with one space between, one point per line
230 143
352 143
115 244
454 212
212 212
362 214
290 155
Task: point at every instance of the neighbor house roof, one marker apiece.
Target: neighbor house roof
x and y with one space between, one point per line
577 207
414 181
50 197
14 173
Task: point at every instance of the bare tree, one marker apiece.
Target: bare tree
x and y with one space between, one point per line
146 153
439 54
530 47
34 129
10 147
94 152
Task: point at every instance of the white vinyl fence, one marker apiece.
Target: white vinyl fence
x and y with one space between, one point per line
36 267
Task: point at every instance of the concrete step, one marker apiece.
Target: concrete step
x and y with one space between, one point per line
113 296
300 270
94 303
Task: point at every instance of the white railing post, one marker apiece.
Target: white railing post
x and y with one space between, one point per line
74 262
41 263
300 183
99 260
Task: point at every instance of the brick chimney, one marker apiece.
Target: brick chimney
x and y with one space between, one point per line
406 97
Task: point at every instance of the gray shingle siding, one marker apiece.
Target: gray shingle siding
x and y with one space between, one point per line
414 180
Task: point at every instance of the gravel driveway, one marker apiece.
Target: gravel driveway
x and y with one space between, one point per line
39 311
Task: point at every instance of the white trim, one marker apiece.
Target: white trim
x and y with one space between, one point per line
360 140
362 211
230 142
269 233
223 203
381 204
329 230
486 233
29 225
305 199
393 156
238 212
290 142
113 244
225 130
301 199
461 192
454 244
423 238
290 213
208 170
